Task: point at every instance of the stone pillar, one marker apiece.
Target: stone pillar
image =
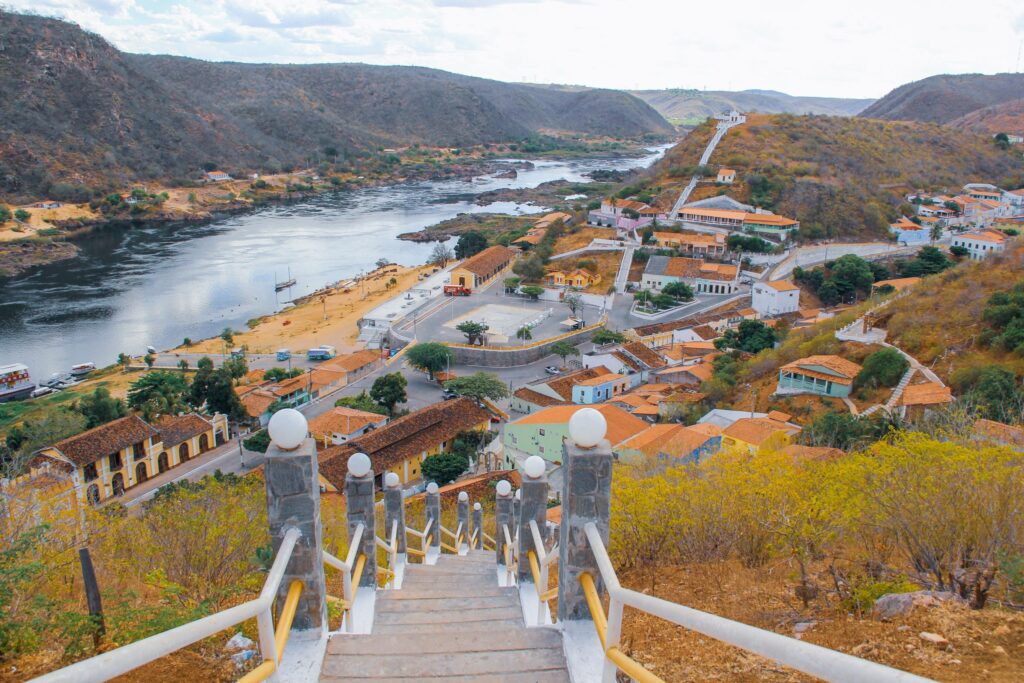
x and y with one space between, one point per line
478 525
462 517
534 494
394 510
432 511
359 499
502 518
586 497
293 500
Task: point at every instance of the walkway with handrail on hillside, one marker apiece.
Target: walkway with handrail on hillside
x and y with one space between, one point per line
462 612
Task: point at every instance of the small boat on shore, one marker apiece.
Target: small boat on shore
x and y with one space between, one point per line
82 369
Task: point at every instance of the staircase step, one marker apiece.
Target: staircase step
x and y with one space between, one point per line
451 592
442 665
429 643
451 616
445 629
442 604
552 676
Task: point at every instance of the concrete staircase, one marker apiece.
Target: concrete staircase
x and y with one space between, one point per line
448 621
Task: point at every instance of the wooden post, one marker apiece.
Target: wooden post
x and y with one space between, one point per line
92 594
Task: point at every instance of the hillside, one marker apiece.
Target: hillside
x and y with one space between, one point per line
941 99
1007 117
691 107
76 110
839 176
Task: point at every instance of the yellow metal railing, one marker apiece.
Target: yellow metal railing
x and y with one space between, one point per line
625 663
284 627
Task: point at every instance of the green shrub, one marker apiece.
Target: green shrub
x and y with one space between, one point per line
863 596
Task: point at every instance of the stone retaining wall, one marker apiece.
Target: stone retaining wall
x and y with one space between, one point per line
496 357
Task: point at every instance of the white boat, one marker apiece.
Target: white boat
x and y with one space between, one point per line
15 382
82 369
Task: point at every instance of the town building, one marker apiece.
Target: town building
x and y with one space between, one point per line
726 176
982 244
480 269
693 243
752 433
702 276
908 232
555 391
579 278
541 433
671 444
599 389
216 177
622 213
762 222
823 375
105 461
685 375
918 399
341 424
775 297
401 445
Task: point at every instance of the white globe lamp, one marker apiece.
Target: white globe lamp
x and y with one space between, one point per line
587 427
432 487
476 506
288 429
463 497
391 480
503 488
534 467
359 465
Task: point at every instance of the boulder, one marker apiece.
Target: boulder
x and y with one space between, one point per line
898 604
934 639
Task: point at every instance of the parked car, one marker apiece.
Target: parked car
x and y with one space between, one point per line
448 395
552 370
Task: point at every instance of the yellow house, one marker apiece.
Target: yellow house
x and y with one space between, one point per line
751 433
401 445
105 461
480 269
579 278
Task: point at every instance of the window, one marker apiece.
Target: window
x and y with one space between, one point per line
90 472
541 449
138 451
114 462
541 431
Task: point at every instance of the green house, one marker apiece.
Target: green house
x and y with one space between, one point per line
822 375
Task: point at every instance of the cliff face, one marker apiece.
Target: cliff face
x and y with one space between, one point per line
81 115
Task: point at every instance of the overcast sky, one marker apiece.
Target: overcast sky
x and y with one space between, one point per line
851 49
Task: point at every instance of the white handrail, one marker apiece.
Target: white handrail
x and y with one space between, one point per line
800 655
510 555
543 560
350 562
122 660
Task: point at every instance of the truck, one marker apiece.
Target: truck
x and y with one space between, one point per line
324 352
457 290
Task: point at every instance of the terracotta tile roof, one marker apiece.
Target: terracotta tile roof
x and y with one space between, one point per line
714 314
644 354
629 362
289 386
98 442
705 332
653 388
621 425
691 238
487 261
175 429
257 402
1001 433
707 428
645 410
684 397
768 219
779 416
798 452
600 379
630 400
782 285
351 361
627 204
845 369
985 236
536 398
408 436
671 439
323 377
702 372
928 394
563 385
757 430
343 420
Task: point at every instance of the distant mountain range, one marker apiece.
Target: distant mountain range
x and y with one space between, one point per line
77 110
691 107
950 99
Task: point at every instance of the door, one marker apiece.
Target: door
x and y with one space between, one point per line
162 464
204 443
93 494
183 452
117 484
141 474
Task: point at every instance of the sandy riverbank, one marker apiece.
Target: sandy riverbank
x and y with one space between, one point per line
303 326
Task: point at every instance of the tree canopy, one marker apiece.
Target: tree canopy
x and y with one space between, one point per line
478 386
474 330
470 244
389 390
430 357
752 336
159 393
100 407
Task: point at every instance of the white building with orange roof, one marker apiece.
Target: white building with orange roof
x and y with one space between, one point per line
776 297
981 244
340 424
726 176
823 375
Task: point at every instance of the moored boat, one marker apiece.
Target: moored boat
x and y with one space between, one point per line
15 382
82 369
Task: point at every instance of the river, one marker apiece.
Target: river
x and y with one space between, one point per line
155 286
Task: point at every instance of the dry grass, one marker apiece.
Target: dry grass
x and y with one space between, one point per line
580 237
